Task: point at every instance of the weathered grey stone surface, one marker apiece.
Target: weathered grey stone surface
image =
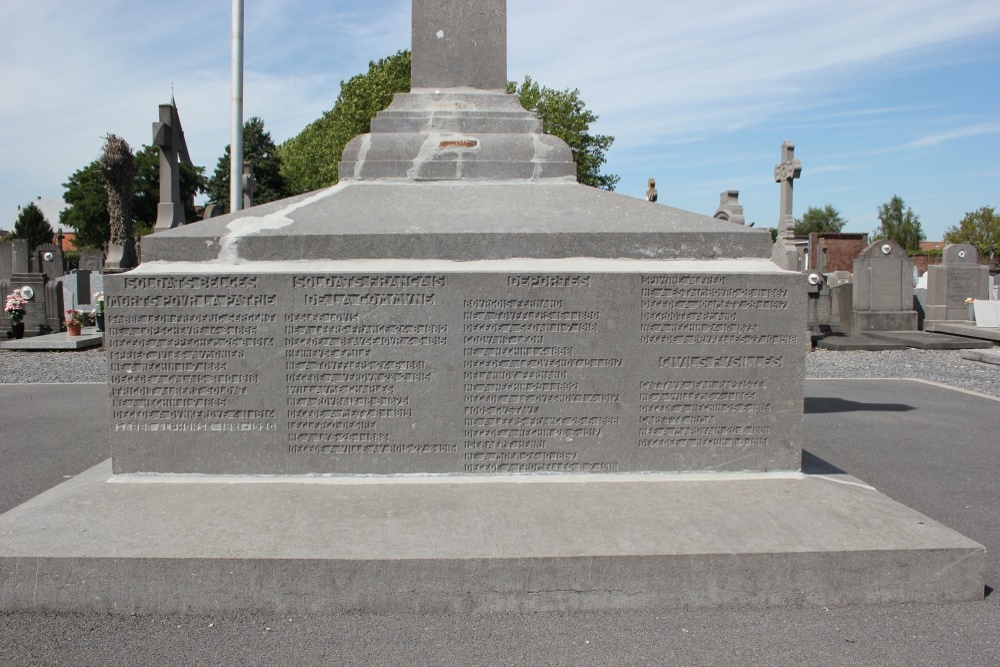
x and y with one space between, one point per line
987 313
60 341
949 284
963 329
79 288
35 315
459 44
168 137
6 261
434 367
606 542
983 356
730 208
92 259
925 340
784 253
857 343
883 289
20 261
457 221
457 315
48 259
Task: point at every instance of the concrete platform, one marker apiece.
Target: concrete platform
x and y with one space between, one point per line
58 341
925 340
963 329
983 356
857 343
391 545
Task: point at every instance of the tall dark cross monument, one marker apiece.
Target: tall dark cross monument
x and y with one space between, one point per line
168 137
785 173
459 380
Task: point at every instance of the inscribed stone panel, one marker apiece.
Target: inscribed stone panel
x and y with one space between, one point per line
470 373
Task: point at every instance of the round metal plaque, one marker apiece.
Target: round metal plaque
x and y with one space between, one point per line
28 293
814 279
886 249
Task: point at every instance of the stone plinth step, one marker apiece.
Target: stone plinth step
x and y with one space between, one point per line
90 337
204 544
986 357
930 341
962 329
857 343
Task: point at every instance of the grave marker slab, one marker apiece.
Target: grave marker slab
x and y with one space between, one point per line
883 289
957 278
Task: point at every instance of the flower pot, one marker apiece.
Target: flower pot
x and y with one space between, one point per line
100 322
18 329
74 328
972 313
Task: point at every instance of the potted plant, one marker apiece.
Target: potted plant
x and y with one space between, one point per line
74 322
15 308
99 310
970 303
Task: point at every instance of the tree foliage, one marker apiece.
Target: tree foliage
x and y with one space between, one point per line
980 228
310 160
565 115
258 149
32 226
820 220
898 222
86 192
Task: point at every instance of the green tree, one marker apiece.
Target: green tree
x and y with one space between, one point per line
32 226
899 225
87 193
565 115
815 219
980 228
311 158
259 150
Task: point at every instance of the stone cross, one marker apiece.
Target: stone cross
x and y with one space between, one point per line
249 185
785 173
168 136
459 44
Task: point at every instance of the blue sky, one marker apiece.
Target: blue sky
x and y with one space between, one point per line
881 97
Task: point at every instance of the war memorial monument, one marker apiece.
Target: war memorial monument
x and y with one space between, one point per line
460 381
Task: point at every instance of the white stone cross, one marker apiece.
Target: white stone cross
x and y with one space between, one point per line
785 173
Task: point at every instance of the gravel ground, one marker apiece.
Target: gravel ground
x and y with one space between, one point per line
946 367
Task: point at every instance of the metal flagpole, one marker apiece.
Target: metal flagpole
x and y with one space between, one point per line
236 145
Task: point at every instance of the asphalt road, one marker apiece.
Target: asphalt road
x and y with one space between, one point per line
932 448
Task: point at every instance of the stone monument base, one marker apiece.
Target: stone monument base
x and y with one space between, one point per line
315 544
904 320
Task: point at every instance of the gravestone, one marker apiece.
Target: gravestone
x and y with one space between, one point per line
471 383
79 288
958 277
49 260
20 258
786 253
730 208
249 184
92 259
6 260
883 289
